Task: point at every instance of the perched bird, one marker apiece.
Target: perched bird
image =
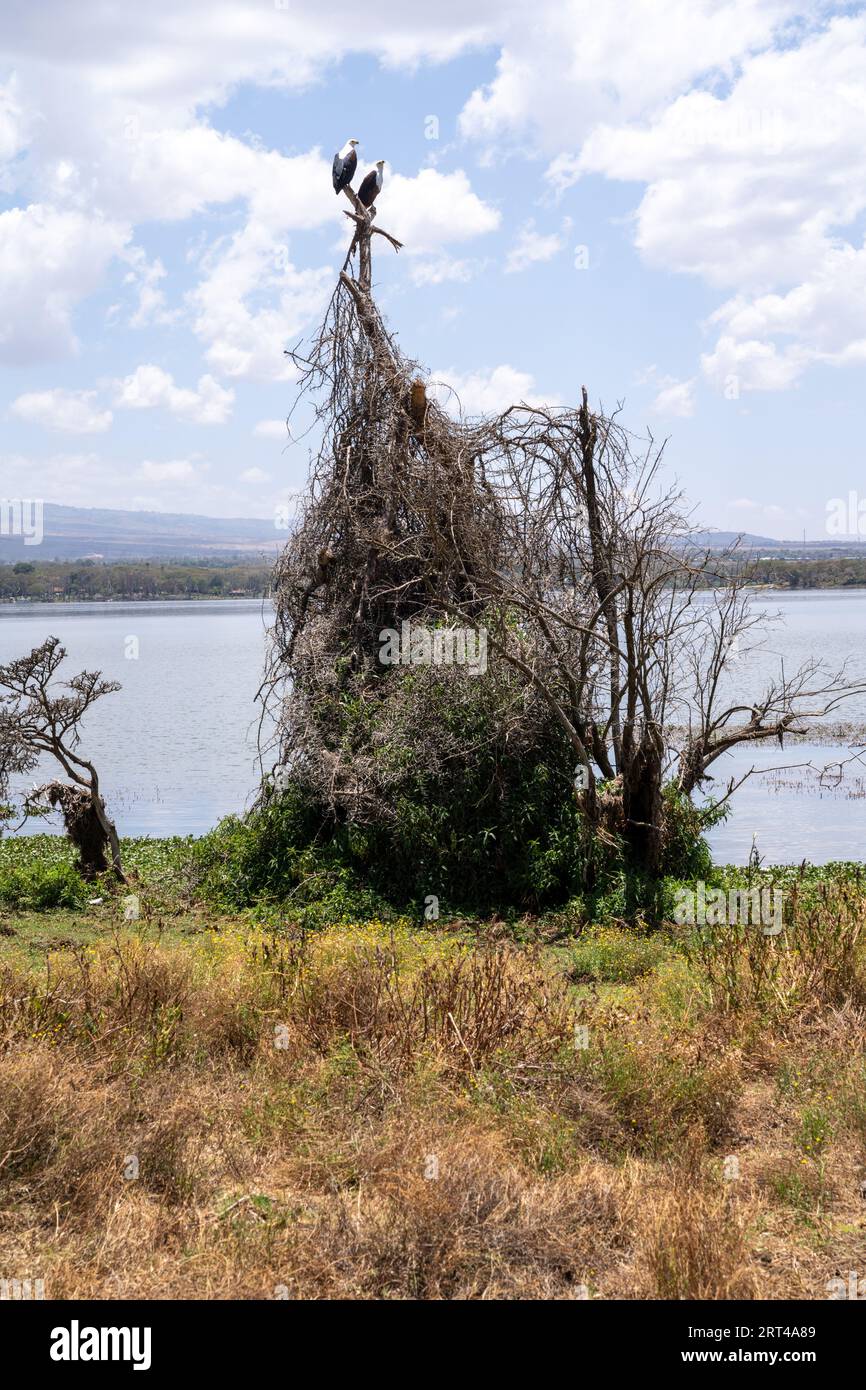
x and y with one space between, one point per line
371 185
345 164
418 402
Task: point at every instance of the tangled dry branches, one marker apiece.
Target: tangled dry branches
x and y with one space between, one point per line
548 527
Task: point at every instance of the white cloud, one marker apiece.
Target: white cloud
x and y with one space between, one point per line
173 174
145 276
163 60
172 471
175 485
69 412
244 337
750 365
752 191
769 340
443 269
675 398
149 387
564 68
766 511
563 171
77 479
271 429
431 210
531 247
255 475
486 392
49 261
12 121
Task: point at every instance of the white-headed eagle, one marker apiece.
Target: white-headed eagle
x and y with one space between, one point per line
345 164
371 185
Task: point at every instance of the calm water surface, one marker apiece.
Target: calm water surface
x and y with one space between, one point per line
794 812
176 747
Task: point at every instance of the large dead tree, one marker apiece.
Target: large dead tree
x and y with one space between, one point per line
39 717
549 527
627 629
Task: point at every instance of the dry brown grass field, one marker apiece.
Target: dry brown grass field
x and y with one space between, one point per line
206 1108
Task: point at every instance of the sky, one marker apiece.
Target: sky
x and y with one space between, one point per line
662 200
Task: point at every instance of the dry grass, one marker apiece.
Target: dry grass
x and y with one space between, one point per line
814 963
380 1113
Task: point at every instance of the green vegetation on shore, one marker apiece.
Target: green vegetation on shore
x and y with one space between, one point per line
81 580
832 572
58 581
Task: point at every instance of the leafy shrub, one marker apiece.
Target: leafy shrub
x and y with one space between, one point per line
507 837
495 831
41 887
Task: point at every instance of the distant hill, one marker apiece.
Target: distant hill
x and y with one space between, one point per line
717 540
799 549
72 533
76 533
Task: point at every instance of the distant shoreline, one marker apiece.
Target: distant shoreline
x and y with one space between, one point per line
132 581
63 602
29 581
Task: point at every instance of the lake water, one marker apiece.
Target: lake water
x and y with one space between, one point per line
176 747
799 812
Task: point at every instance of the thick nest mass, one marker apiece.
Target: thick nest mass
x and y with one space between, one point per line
396 527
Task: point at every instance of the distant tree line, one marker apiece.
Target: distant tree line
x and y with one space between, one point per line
839 572
58 581
80 580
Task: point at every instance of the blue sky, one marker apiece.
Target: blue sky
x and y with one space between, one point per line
663 201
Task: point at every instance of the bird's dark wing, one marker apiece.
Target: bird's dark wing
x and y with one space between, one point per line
336 171
367 191
350 164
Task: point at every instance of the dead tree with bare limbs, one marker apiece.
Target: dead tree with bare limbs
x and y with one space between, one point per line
623 624
394 528
550 530
41 717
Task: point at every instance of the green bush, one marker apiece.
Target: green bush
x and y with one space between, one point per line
284 852
467 806
39 887
488 824
519 848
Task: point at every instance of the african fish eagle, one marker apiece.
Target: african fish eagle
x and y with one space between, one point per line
371 185
345 164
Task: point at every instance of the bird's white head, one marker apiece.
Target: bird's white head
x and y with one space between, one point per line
380 165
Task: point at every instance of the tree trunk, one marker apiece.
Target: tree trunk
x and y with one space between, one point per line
643 808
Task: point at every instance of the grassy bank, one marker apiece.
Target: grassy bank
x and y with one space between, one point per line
205 1104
